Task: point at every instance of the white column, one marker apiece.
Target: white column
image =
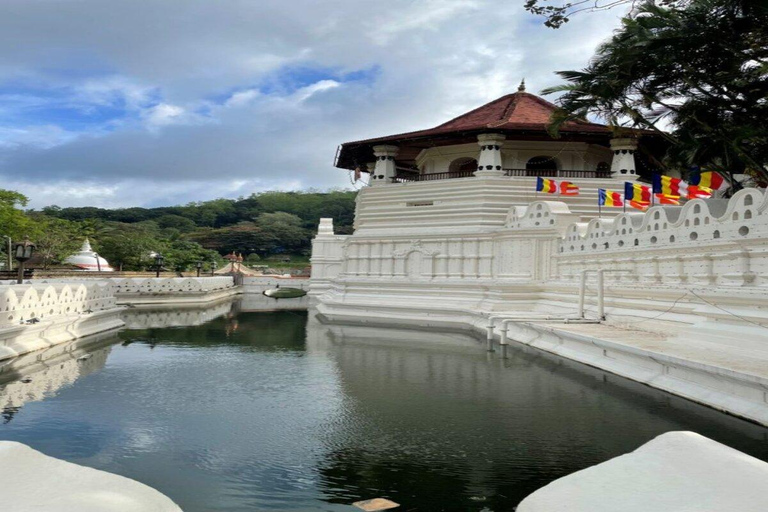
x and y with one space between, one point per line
623 163
384 170
489 162
326 227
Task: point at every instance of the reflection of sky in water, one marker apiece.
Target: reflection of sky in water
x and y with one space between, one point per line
284 415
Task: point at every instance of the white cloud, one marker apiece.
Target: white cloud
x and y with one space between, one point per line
163 114
195 118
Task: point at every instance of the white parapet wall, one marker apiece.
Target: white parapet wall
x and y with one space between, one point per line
42 313
175 290
36 316
685 294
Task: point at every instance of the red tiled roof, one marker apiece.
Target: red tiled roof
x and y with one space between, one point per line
518 111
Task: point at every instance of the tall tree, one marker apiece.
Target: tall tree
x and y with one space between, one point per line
55 239
701 68
556 13
13 221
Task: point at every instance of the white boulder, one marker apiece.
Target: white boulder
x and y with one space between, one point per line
675 472
31 481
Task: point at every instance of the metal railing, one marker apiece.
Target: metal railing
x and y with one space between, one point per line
404 177
558 173
412 176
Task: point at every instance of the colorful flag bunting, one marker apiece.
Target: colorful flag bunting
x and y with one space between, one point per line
545 185
568 189
609 198
637 192
709 179
669 186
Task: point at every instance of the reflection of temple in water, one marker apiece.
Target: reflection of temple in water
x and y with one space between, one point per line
437 406
39 375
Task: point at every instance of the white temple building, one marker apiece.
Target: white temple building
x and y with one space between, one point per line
451 234
87 259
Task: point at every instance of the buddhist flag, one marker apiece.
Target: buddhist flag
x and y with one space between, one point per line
667 199
545 185
636 192
669 186
639 205
709 179
695 191
608 198
568 189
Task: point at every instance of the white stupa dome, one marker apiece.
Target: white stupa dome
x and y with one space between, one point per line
86 259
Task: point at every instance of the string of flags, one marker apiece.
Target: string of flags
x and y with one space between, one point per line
664 190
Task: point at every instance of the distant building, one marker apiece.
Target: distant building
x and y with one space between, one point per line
87 259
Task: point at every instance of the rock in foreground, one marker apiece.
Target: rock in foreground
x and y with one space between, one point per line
30 480
676 472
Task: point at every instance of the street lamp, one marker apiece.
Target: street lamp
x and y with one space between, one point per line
22 252
199 266
158 263
213 267
9 252
98 263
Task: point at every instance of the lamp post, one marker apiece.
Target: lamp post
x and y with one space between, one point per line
158 264
98 263
214 266
9 252
199 266
22 252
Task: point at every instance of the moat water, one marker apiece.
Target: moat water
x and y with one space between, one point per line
276 411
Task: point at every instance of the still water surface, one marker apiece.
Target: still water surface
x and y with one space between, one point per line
276 411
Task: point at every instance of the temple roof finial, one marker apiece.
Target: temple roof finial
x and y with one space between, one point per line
521 87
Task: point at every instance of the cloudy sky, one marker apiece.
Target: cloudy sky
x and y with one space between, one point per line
153 102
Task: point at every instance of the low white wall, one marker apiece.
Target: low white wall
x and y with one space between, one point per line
35 316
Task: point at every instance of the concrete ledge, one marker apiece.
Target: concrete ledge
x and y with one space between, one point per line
675 472
175 298
30 481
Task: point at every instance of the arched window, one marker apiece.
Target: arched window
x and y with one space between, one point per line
463 164
541 166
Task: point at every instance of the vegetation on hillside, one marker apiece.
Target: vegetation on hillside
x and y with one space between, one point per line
260 227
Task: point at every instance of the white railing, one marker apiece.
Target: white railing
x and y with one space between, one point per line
172 285
25 303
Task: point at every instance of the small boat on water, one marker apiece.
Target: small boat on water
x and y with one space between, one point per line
284 293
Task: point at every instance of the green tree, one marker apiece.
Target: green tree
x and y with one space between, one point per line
699 66
13 221
283 232
55 239
127 247
556 13
177 222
